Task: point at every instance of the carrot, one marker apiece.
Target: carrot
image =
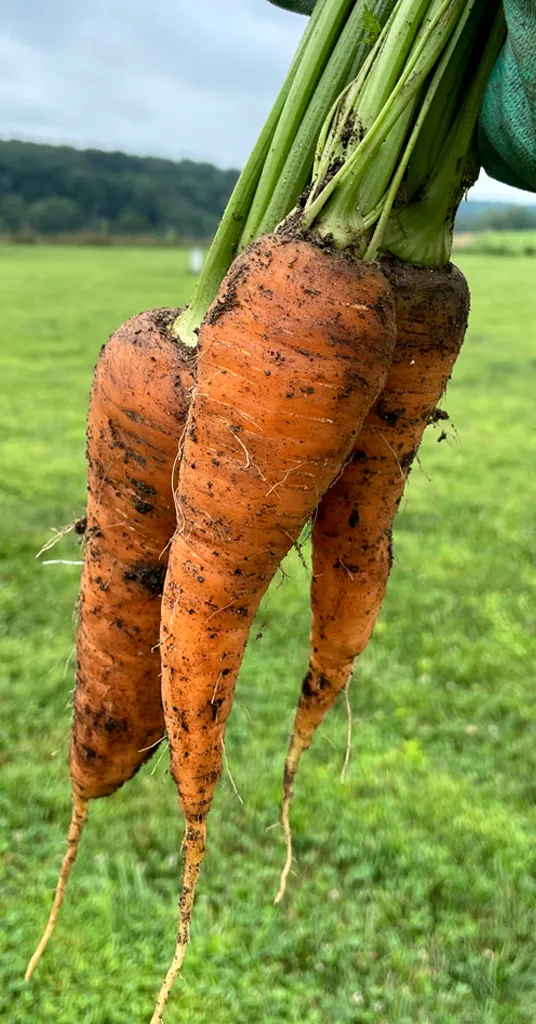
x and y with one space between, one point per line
353 529
352 535
291 356
137 414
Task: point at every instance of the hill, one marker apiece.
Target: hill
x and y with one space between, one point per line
59 189
474 215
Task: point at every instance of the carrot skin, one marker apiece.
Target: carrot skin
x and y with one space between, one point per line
293 353
352 536
138 408
291 356
352 542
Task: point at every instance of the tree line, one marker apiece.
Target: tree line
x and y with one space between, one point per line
58 190
49 190
481 216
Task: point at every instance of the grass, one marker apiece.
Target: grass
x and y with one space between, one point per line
413 898
497 243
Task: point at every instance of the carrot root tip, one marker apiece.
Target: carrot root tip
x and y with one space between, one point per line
285 818
78 819
348 753
194 849
297 746
170 980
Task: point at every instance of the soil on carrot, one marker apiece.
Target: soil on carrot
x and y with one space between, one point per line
227 299
143 507
140 485
150 577
163 319
438 415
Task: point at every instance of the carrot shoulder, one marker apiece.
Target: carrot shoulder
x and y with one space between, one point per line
137 413
352 536
292 355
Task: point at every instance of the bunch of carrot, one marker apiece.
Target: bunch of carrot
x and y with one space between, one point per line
299 383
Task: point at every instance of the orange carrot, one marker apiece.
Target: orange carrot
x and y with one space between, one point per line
137 413
352 533
291 356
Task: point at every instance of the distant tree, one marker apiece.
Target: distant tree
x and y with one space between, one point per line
130 222
13 212
54 215
58 188
478 216
521 218
61 189
510 218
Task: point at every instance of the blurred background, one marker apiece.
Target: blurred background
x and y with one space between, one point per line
123 128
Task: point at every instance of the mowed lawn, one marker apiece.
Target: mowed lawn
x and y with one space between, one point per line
414 892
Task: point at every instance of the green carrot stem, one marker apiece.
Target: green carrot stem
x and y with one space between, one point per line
358 185
368 152
346 59
331 15
281 145
422 231
397 179
225 244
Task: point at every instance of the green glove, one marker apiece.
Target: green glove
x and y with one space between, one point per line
507 135
299 6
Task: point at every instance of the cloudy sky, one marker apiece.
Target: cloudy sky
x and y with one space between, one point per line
173 78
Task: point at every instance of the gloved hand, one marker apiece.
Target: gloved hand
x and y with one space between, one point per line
507 135
299 6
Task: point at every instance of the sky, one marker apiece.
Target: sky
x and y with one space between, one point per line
174 78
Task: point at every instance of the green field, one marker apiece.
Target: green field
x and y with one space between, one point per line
414 893
497 243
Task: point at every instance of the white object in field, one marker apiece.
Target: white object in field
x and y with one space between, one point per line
196 261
